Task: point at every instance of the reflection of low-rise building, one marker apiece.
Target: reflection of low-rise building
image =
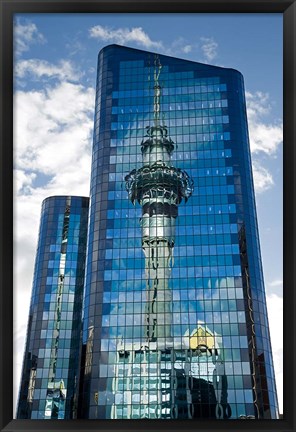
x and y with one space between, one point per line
182 382
55 400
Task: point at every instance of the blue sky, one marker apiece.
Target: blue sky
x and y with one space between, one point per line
55 72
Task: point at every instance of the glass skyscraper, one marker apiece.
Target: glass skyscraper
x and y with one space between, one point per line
51 359
175 320
173 315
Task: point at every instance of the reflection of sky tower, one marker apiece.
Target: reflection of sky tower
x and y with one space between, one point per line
204 354
159 188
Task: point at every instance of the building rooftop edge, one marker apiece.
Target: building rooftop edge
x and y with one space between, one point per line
64 196
165 55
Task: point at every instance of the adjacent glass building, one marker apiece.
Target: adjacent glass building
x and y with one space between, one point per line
51 359
173 316
175 321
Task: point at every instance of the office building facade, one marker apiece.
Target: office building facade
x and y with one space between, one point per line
175 321
51 360
174 312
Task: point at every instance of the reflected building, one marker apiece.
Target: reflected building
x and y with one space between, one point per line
174 311
175 321
51 360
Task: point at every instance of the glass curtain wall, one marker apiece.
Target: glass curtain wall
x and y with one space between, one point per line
50 367
211 355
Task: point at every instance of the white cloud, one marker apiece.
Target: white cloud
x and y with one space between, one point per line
209 48
75 47
124 35
178 47
53 127
205 47
275 309
137 35
258 103
26 222
187 49
35 68
26 33
52 140
265 137
276 283
262 178
23 181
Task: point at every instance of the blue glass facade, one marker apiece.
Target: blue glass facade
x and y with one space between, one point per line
163 266
201 286
51 359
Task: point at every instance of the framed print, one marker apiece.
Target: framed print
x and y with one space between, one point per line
147 158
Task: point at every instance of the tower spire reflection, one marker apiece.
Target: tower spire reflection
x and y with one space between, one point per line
159 188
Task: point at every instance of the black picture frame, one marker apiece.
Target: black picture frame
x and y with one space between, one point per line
7 9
